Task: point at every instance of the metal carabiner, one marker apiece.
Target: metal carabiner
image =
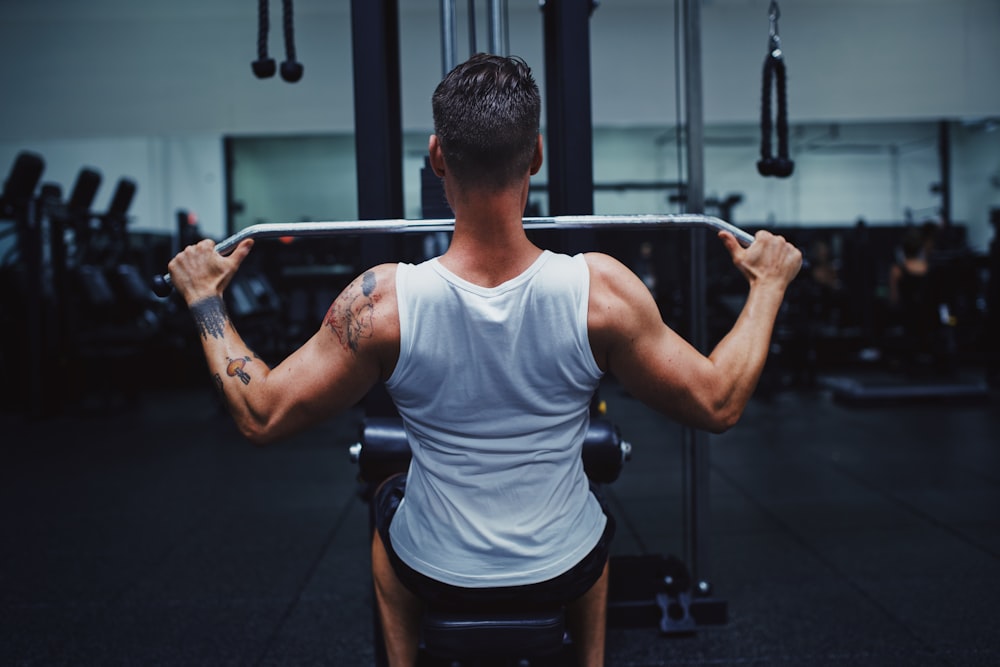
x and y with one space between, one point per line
774 41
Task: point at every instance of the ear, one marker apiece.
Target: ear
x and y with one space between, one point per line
536 162
437 157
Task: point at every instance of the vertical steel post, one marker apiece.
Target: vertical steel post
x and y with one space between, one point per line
378 139
449 36
472 27
230 190
696 451
569 125
378 133
30 239
944 160
499 43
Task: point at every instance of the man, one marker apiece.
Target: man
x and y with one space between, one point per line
491 353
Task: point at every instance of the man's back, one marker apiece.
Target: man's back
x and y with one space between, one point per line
494 386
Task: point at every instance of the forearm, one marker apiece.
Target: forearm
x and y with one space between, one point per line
739 358
238 373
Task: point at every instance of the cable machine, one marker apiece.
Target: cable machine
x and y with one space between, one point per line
686 602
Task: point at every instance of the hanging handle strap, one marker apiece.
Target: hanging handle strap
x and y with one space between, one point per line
291 69
264 67
774 77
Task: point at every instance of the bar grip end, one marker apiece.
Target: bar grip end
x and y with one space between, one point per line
162 287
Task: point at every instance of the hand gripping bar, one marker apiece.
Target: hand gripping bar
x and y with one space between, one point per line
270 230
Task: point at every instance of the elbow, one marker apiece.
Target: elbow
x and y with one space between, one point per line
723 420
261 422
724 413
712 413
726 400
256 437
257 433
266 428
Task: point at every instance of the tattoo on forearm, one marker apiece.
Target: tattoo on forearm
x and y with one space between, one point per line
210 316
351 317
218 383
235 368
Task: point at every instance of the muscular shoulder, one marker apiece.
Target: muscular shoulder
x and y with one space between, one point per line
364 317
619 305
612 284
603 267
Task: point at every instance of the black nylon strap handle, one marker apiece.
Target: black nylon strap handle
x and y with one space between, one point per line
774 77
264 66
291 69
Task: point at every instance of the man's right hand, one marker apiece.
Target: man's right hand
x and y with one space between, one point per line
199 272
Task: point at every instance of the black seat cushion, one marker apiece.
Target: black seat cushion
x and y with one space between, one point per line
492 634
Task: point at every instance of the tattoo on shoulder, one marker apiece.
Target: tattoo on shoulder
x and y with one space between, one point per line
210 316
352 315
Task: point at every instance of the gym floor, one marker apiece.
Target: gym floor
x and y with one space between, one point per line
154 535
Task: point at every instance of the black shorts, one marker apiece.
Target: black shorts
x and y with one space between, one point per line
547 594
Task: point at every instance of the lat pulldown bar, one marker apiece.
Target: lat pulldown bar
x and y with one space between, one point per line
271 230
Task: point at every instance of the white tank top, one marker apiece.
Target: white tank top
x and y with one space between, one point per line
494 386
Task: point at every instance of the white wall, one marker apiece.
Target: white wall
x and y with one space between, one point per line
140 67
295 178
148 89
976 178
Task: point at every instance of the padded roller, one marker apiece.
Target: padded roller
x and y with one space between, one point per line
384 450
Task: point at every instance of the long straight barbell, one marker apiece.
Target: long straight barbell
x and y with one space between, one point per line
270 230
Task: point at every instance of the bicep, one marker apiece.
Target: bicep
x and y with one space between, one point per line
322 378
651 361
344 359
661 369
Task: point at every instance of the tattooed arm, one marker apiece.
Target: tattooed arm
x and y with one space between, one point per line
356 345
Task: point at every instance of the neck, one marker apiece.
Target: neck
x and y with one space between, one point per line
489 245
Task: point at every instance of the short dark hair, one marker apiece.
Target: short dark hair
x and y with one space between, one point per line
486 118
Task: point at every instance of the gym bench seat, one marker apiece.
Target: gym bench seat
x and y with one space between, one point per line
485 635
